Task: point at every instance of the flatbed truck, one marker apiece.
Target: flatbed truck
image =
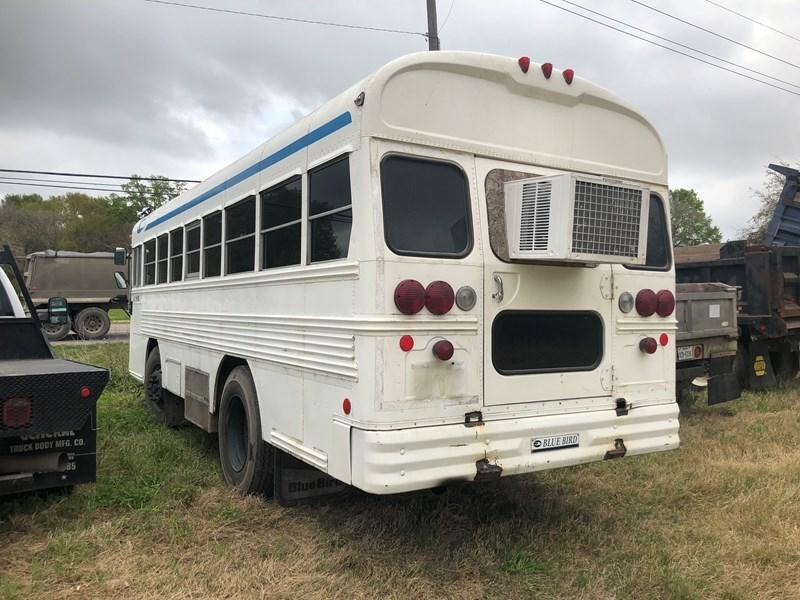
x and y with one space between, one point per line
47 405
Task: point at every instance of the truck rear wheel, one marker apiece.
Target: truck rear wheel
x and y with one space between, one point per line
166 407
55 333
92 323
247 460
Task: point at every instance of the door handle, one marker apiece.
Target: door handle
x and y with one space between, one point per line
498 288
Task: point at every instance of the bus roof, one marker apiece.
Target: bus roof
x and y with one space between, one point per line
469 102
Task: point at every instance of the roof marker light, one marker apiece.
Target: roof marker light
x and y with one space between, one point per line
547 69
568 74
524 63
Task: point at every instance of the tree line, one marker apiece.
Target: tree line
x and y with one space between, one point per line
76 221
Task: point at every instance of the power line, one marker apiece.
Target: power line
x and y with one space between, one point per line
452 3
714 33
98 176
638 37
66 187
661 37
116 185
281 18
765 25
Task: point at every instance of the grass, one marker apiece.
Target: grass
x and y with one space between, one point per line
719 518
118 315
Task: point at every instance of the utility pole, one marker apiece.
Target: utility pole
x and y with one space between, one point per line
433 34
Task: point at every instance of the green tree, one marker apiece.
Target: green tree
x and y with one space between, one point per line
29 223
768 196
690 223
141 197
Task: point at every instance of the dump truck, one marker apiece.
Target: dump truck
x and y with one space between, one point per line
91 282
707 340
767 279
47 405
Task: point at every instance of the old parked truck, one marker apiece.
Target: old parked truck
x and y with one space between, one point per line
707 339
91 283
47 405
767 278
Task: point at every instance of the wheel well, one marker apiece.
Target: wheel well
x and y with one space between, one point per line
228 364
151 343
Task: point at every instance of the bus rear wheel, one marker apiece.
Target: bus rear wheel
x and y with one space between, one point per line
247 460
166 407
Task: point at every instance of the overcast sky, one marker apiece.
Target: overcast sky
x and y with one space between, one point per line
128 86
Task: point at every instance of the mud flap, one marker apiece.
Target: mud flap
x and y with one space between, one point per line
297 482
760 374
723 384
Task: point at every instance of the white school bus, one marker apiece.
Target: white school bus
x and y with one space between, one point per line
458 269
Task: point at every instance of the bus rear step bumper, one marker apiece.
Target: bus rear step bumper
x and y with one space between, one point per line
390 462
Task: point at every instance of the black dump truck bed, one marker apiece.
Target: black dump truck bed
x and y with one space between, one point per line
47 406
767 278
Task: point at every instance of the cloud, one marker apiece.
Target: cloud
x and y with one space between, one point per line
129 86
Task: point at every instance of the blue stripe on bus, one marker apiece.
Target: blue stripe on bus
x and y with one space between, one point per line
317 134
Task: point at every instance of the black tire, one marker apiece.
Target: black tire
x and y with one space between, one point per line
247 461
56 333
92 323
784 365
166 407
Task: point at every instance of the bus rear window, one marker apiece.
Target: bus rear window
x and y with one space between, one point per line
426 207
525 341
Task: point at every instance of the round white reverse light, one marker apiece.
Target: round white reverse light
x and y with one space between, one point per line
626 302
466 298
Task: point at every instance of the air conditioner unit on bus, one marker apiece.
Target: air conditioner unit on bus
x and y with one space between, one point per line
576 218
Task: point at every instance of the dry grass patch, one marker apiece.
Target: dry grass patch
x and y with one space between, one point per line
719 518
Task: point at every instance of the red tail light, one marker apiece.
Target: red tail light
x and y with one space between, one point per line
666 303
409 296
443 350
439 297
648 345
646 302
17 412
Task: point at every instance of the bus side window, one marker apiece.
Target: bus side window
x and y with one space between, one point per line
163 258
136 265
658 250
193 250
240 236
212 244
150 262
281 223
176 255
330 215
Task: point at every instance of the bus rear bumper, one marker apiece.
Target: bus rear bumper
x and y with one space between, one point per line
390 462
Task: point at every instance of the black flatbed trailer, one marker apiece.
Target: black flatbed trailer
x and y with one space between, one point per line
47 405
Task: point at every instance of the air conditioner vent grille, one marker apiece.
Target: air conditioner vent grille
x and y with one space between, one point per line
606 219
534 231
